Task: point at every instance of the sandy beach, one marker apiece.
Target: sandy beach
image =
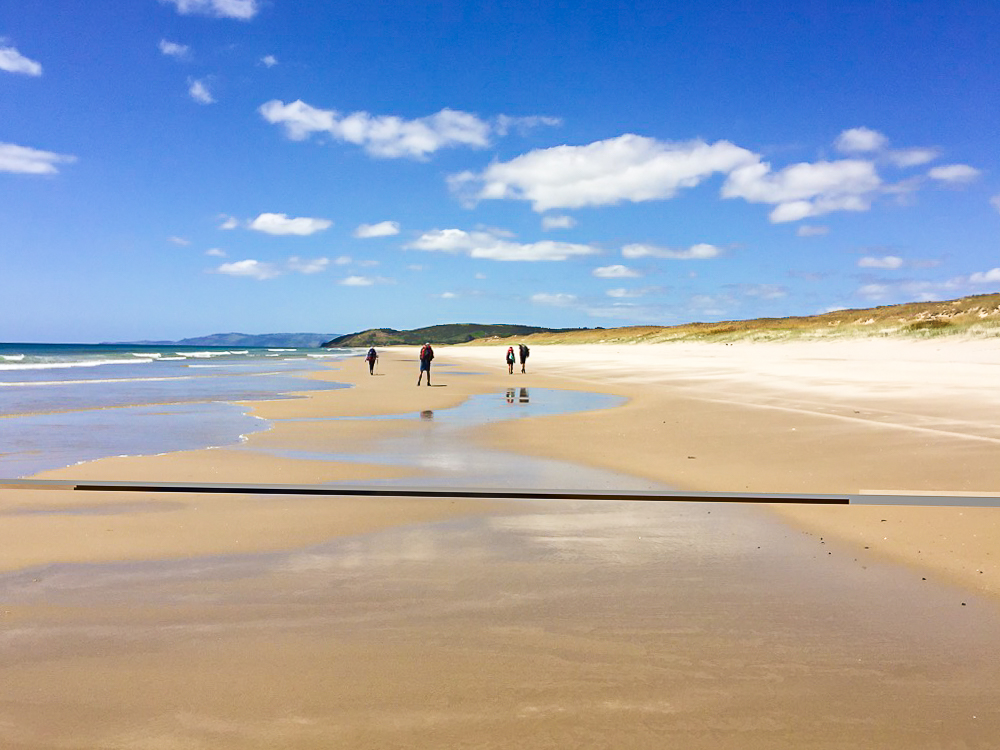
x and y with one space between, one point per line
129 618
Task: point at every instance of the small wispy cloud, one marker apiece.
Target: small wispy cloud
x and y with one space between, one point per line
249 268
25 160
887 262
554 300
242 10
228 222
558 222
173 49
811 230
622 293
269 61
505 123
13 61
954 174
281 224
701 251
198 90
615 272
179 241
860 140
261 271
492 245
382 229
302 265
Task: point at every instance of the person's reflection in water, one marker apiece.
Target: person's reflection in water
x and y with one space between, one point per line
427 414
510 395
523 398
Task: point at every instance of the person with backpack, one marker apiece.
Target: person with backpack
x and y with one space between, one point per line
371 359
510 360
426 355
524 355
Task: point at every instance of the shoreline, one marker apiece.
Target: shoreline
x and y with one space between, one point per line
114 526
690 414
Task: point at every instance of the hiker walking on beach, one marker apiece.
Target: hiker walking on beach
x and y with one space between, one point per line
510 359
371 359
524 355
426 355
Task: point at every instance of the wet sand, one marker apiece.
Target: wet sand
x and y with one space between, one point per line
131 620
573 624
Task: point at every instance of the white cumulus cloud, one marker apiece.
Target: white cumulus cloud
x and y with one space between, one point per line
173 49
889 262
627 168
382 229
381 135
243 10
198 91
269 61
25 160
806 189
615 272
14 62
253 269
216 252
488 245
281 224
701 251
955 174
228 222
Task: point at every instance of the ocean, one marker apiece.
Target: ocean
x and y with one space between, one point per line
61 404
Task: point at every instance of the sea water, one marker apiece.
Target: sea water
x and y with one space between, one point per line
65 403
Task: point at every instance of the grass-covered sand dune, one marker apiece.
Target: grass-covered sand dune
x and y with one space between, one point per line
975 316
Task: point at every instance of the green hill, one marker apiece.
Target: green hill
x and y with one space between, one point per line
453 333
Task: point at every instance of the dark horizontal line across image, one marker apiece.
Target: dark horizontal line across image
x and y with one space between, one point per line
866 498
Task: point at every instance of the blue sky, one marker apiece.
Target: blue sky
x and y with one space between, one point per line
172 168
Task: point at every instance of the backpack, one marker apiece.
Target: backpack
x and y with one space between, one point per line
426 353
371 355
